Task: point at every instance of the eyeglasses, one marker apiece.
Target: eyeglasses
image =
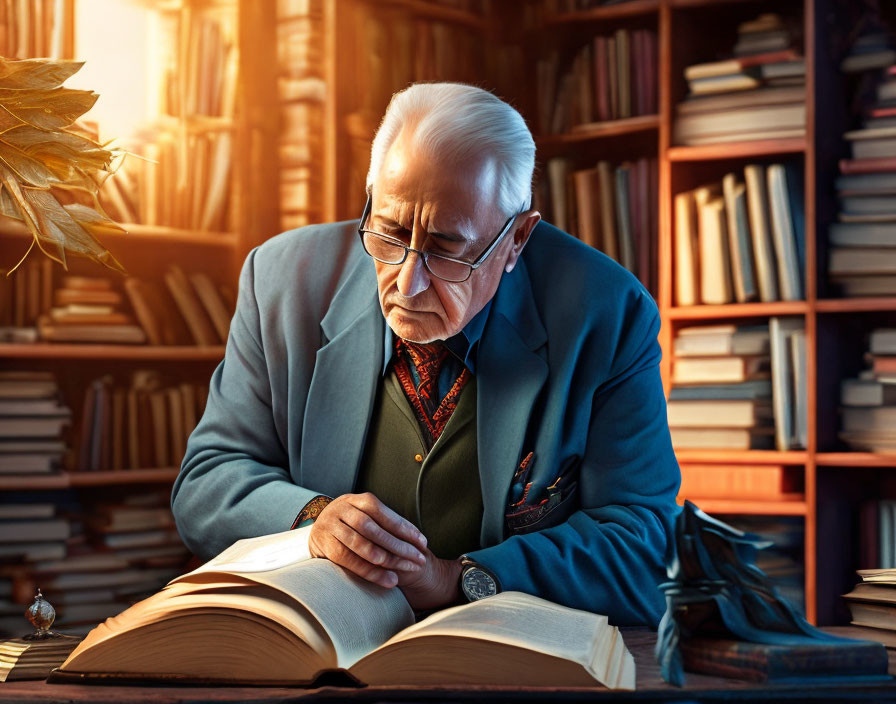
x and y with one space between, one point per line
389 250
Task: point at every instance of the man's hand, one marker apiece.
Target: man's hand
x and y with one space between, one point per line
366 537
434 586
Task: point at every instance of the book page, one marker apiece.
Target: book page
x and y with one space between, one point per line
264 552
358 616
526 621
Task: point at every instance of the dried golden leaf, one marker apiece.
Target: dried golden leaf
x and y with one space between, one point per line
49 110
37 154
36 74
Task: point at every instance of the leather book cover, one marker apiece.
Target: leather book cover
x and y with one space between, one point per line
809 662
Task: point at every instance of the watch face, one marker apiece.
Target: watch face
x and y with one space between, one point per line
477 584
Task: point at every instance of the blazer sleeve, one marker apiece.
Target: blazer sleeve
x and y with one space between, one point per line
234 480
608 557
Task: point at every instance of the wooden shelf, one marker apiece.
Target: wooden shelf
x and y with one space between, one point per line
791 505
855 305
168 235
738 310
48 350
440 13
706 3
738 150
623 10
598 130
65 480
741 457
855 459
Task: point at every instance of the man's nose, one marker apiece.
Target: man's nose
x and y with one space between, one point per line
413 277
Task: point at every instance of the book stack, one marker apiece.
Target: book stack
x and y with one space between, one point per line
741 240
759 93
88 309
612 78
782 561
129 550
29 532
721 396
141 425
872 49
862 257
610 208
868 403
32 421
872 602
186 309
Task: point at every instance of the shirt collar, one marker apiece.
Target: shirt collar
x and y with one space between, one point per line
463 345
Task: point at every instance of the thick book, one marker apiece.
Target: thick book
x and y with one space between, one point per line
715 259
687 260
318 619
809 662
740 241
761 231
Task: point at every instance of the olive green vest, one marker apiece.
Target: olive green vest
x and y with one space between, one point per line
438 491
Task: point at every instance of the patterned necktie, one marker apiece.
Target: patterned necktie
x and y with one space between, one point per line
427 360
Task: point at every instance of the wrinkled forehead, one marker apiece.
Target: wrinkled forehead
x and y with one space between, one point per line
457 194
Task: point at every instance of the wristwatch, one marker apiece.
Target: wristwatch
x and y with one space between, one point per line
477 581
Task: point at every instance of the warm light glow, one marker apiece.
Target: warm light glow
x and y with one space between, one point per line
112 37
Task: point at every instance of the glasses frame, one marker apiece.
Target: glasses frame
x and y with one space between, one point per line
472 266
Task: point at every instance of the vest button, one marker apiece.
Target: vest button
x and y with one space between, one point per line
418 457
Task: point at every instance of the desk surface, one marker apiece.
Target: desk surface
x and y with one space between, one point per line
651 688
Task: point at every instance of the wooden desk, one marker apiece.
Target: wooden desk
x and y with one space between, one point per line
651 689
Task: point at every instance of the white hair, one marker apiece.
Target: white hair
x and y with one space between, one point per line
456 120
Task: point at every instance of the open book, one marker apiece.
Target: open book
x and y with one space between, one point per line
264 612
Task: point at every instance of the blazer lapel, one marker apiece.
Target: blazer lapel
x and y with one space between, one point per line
510 375
343 386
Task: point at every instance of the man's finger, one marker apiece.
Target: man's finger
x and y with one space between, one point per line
363 524
389 520
343 555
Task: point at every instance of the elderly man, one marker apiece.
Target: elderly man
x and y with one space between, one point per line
448 396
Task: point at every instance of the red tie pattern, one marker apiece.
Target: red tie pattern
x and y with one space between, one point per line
432 413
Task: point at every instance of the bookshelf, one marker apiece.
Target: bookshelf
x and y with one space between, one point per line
835 481
497 45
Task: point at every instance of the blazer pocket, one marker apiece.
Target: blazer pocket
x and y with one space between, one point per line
551 512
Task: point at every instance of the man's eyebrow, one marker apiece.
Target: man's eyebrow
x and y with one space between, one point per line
453 237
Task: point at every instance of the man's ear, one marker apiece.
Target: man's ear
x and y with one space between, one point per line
522 229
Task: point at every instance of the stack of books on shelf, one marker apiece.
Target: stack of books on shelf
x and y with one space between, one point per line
721 396
869 402
862 258
611 208
106 557
872 602
302 92
741 241
144 424
32 423
739 387
612 78
872 49
187 309
782 561
88 309
759 93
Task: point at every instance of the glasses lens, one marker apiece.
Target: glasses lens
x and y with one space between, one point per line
447 269
383 249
